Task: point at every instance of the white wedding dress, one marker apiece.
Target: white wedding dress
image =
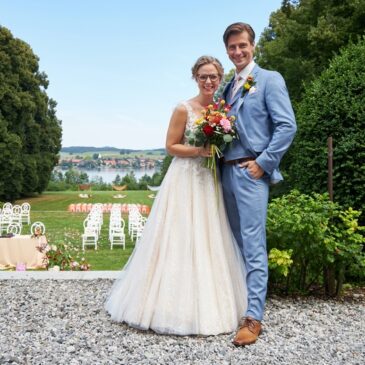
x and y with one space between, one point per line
186 275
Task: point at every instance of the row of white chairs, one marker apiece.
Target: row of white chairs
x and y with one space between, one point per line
94 221
136 222
14 215
116 227
92 226
37 228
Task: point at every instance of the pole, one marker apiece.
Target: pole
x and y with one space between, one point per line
330 167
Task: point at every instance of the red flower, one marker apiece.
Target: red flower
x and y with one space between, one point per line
208 130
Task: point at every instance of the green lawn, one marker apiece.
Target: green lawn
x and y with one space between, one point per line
63 226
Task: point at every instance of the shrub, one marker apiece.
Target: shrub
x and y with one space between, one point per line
333 105
323 240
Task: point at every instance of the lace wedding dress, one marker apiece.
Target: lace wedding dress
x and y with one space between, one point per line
186 275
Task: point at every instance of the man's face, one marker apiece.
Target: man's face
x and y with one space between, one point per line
240 51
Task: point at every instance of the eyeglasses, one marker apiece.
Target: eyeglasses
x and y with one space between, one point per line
204 78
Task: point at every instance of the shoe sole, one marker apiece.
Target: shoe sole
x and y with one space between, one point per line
237 344
247 343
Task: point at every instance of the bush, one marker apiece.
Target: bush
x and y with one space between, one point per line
333 105
313 242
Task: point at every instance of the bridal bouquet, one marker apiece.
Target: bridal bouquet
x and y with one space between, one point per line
214 128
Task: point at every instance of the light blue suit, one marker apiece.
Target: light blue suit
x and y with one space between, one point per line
266 127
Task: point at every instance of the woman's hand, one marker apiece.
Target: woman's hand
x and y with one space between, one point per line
204 151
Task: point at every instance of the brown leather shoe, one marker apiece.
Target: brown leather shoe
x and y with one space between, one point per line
248 332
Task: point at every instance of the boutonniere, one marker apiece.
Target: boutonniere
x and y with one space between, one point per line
250 83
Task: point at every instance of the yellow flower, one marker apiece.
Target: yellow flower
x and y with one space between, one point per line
232 118
222 102
199 121
247 86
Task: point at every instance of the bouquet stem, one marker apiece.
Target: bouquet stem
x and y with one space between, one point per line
211 163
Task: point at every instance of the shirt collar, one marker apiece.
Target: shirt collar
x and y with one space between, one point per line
245 72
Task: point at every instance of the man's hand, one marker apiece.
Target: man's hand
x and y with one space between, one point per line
254 169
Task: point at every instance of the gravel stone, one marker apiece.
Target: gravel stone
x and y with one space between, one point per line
64 322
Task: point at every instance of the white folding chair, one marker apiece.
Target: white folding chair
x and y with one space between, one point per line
5 220
37 228
25 213
89 238
116 233
14 228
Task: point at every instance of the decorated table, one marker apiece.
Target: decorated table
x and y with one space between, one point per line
21 249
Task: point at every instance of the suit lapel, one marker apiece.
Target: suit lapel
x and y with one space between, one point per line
227 90
240 104
242 99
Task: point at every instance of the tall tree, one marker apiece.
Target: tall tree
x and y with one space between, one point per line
30 133
304 35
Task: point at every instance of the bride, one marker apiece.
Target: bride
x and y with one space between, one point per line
186 275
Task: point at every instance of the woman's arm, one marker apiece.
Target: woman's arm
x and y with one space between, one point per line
175 134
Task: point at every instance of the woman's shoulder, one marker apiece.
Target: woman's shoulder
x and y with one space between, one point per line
182 107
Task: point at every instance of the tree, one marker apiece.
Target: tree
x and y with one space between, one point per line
30 137
117 180
303 36
334 105
130 181
165 165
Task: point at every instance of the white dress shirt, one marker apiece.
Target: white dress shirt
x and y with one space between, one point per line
240 78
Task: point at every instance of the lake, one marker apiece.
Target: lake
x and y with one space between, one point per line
108 175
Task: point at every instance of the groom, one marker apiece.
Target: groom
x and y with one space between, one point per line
266 126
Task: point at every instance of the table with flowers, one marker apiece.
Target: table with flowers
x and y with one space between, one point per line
21 249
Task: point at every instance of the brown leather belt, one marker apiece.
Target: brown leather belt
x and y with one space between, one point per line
239 160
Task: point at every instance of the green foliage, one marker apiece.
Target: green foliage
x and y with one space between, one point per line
334 105
158 177
304 35
131 181
117 180
30 133
280 261
227 77
324 241
75 177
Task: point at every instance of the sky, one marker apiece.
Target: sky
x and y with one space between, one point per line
118 68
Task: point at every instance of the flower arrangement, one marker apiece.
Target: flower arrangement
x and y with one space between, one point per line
214 128
58 257
250 83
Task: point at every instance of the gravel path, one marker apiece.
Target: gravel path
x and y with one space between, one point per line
63 322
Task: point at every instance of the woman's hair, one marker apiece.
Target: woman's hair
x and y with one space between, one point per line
237 28
207 60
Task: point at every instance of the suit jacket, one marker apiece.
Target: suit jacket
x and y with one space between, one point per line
265 121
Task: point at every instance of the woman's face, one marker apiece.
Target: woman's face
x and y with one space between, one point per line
208 79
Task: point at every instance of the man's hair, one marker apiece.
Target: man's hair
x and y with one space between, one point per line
237 28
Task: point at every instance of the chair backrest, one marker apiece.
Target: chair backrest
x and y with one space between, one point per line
17 209
37 228
25 207
7 209
14 228
7 206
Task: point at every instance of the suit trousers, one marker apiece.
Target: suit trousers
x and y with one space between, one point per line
246 202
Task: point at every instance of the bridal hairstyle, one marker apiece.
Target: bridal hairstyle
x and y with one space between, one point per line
237 28
207 60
